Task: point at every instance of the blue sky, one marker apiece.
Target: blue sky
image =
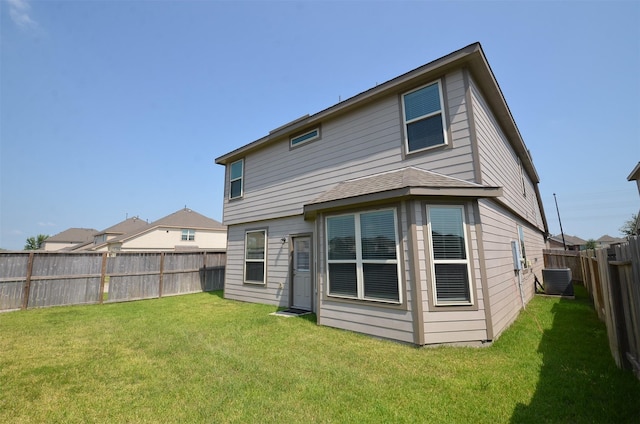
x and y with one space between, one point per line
118 108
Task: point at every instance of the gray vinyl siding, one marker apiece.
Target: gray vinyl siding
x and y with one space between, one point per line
499 162
446 325
277 266
499 228
372 318
278 181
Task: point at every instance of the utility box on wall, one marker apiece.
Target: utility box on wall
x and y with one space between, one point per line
557 281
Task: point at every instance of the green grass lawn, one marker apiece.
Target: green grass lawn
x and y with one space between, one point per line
200 358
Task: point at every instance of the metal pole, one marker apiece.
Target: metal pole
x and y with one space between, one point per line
560 221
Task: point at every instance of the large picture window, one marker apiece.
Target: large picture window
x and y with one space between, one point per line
449 257
255 249
236 176
424 118
362 256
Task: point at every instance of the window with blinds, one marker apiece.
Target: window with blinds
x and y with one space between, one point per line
449 258
255 248
362 256
424 118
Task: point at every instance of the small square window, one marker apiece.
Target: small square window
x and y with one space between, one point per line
188 235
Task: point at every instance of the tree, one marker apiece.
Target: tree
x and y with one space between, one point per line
35 243
630 226
591 244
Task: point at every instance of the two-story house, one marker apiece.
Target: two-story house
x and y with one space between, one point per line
410 211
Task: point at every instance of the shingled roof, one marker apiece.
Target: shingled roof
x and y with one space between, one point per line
408 181
73 235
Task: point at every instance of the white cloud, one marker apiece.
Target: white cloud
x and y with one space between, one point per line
19 12
46 224
16 232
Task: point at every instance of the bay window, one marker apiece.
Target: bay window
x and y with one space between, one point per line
362 256
450 271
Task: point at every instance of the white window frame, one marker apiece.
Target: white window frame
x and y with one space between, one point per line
359 261
263 260
434 261
188 234
523 252
441 112
305 140
522 179
240 178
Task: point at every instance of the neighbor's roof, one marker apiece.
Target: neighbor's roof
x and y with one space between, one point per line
635 174
408 181
127 226
471 56
188 218
570 240
73 235
184 218
608 239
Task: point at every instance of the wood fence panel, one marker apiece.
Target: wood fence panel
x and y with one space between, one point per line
64 278
607 311
64 291
213 278
13 269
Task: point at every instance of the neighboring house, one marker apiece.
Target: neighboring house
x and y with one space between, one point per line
606 241
572 242
101 239
69 238
402 212
635 176
182 230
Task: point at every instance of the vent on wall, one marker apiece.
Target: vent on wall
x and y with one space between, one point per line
557 281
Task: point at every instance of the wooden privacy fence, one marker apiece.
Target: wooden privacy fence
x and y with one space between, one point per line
613 283
39 279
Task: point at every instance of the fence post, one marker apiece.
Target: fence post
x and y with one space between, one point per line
103 275
161 274
27 284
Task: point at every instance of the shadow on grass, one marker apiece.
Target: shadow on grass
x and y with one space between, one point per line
579 381
218 293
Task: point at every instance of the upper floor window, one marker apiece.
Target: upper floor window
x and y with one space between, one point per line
362 256
424 118
305 138
449 258
236 175
188 235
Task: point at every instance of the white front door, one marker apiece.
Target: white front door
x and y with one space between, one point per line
302 273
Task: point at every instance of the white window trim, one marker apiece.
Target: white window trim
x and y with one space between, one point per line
308 140
263 260
523 251
442 116
241 178
359 261
522 179
189 232
434 261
